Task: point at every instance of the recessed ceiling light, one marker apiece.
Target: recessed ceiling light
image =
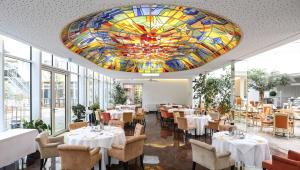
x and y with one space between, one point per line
150 74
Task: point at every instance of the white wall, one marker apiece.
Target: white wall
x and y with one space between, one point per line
158 91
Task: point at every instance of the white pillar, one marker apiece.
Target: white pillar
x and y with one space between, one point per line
82 86
36 84
2 127
232 97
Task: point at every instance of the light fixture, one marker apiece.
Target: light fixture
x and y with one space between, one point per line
150 74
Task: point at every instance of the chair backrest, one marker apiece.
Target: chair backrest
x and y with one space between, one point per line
74 156
163 113
281 120
105 117
227 127
98 115
127 117
116 123
181 113
238 101
279 163
138 130
140 110
77 125
176 115
134 147
42 139
203 154
214 115
182 123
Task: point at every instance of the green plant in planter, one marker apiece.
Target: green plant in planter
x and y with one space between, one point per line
272 93
94 106
262 81
78 111
40 125
118 94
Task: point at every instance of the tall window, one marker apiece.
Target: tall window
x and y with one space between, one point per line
16 49
96 87
46 58
60 62
101 91
17 105
89 88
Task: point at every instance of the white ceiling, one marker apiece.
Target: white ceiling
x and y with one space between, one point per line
265 24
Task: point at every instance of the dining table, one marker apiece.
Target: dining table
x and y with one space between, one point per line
117 114
185 110
248 149
199 122
94 136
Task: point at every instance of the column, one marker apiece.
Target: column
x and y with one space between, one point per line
232 96
36 83
1 85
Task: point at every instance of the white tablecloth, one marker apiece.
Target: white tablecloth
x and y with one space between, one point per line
117 114
16 144
251 150
130 107
199 122
185 110
104 139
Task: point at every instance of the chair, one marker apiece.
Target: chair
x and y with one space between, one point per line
78 157
185 126
176 114
133 148
213 126
281 122
206 156
227 127
48 146
105 117
127 118
98 115
116 123
138 130
140 116
77 125
166 117
292 162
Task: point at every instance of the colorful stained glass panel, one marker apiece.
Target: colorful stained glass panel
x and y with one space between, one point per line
151 38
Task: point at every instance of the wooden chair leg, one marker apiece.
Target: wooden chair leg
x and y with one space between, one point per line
100 164
41 164
125 165
142 161
194 165
109 161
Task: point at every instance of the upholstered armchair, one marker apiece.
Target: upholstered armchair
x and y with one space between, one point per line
77 125
227 127
127 118
212 126
133 148
116 123
185 126
292 162
140 116
78 157
48 146
206 156
281 124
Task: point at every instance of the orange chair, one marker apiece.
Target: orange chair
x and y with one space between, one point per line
281 124
105 117
292 162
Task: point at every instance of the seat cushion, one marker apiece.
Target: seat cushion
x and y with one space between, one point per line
267 164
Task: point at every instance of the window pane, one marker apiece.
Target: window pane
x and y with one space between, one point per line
96 90
59 62
89 91
72 67
74 92
46 58
46 94
15 48
89 73
101 92
16 92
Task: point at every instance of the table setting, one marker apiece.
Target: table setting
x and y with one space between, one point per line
198 121
118 113
185 110
246 149
97 136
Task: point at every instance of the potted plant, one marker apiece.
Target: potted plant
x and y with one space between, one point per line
262 81
78 111
93 107
118 94
41 126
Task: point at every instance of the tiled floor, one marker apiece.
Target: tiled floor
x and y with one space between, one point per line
173 152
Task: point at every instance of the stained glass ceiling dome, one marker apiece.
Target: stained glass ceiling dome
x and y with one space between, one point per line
151 38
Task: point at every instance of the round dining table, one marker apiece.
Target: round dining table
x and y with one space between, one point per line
117 114
185 110
104 139
198 121
250 150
